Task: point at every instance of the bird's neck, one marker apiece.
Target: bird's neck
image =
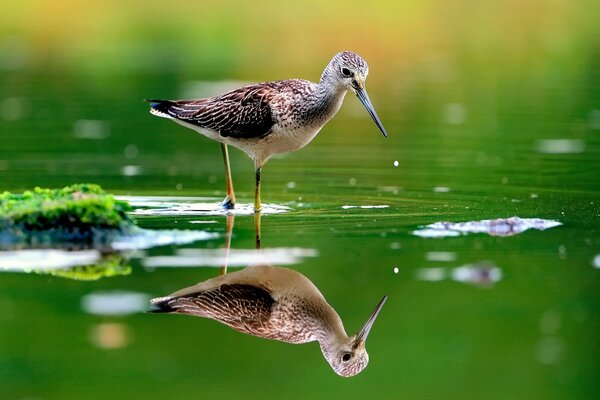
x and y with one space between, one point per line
331 334
327 99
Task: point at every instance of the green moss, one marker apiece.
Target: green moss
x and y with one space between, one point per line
78 212
110 265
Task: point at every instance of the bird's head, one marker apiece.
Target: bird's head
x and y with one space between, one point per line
349 357
350 71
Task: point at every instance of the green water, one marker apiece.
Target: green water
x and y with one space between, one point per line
472 113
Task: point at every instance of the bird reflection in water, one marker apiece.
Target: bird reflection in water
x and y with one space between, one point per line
275 303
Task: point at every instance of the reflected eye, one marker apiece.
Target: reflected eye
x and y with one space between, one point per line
346 357
346 72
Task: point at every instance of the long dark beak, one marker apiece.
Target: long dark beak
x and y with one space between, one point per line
364 332
362 95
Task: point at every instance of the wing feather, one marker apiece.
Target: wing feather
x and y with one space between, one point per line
241 113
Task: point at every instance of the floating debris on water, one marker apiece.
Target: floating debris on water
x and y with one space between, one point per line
364 207
436 233
494 227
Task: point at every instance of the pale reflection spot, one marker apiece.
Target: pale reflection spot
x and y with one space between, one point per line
352 181
291 185
594 119
179 186
560 146
442 256
550 322
562 252
431 274
533 195
396 270
131 170
395 245
549 350
109 336
91 129
13 108
441 189
131 151
235 257
396 163
596 261
366 207
455 113
114 303
482 274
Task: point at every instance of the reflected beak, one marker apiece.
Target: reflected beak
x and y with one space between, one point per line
364 332
362 95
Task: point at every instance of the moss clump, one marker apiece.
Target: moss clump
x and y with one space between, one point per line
80 212
109 266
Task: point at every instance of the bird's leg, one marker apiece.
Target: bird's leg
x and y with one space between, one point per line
257 208
228 232
257 217
257 192
229 201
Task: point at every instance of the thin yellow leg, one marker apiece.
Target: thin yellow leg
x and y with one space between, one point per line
229 201
257 216
257 191
228 233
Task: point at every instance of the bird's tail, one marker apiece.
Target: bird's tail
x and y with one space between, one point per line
160 108
161 305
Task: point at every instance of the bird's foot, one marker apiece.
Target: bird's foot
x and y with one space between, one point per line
228 204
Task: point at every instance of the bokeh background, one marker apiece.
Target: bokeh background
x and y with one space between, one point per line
493 110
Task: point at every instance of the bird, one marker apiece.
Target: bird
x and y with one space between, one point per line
273 117
275 303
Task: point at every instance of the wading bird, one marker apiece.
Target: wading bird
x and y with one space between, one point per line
275 303
272 117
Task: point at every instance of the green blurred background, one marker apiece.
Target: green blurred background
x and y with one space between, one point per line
493 110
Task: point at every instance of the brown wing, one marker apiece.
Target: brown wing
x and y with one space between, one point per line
245 308
241 113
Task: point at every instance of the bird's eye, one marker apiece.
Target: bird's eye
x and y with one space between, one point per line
346 357
346 72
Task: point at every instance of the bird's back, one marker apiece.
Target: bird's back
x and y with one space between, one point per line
269 302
